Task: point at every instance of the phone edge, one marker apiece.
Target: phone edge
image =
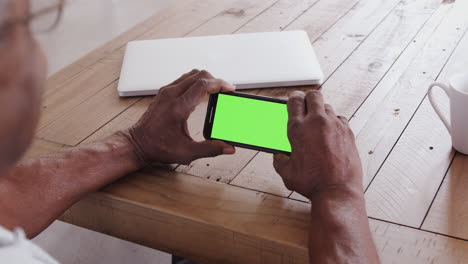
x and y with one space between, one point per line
209 126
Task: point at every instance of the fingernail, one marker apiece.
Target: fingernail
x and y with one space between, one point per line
229 150
231 86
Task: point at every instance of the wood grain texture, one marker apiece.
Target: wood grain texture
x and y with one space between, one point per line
449 214
385 44
74 126
399 67
221 224
77 90
64 100
398 244
408 181
279 16
321 17
355 79
69 72
226 224
338 42
230 20
410 177
40 147
122 121
384 115
260 175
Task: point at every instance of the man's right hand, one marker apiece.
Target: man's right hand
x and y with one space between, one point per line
162 135
324 156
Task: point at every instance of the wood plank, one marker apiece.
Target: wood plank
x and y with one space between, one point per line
230 20
355 79
279 16
321 17
399 244
75 91
168 22
336 44
123 121
409 179
245 226
73 135
73 127
70 71
40 147
386 112
105 72
260 175
166 211
384 45
449 214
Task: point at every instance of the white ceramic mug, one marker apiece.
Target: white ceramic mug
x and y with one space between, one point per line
457 91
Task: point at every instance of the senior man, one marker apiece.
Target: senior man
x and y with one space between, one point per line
324 165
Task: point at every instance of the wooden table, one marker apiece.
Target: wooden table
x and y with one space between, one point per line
378 56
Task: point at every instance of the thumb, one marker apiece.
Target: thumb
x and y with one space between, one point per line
211 148
280 162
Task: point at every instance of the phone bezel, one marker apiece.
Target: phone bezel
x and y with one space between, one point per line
210 113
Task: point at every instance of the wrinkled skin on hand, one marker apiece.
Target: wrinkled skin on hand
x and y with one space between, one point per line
324 155
161 135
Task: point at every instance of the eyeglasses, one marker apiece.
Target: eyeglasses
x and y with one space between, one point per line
44 15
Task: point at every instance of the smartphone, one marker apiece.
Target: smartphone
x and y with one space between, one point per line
248 121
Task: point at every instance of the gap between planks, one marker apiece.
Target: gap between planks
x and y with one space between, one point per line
424 17
406 195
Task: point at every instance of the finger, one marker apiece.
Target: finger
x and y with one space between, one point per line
343 120
296 105
211 148
314 102
186 84
329 110
280 163
202 87
184 77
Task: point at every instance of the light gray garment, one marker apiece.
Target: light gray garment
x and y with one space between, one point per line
15 248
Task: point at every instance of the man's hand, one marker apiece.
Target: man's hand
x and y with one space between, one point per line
324 155
161 135
325 167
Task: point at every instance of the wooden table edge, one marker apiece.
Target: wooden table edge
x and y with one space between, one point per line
247 224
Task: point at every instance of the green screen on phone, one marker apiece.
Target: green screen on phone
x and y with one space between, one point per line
252 122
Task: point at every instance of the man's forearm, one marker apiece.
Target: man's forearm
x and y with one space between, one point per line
339 230
37 191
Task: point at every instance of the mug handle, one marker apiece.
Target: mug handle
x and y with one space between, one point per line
446 89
